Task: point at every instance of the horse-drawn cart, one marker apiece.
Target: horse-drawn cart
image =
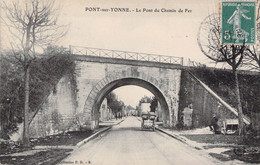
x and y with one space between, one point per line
148 120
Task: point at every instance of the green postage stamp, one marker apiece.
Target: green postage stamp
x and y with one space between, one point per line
238 22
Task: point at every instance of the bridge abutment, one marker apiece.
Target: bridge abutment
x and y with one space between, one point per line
96 84
95 78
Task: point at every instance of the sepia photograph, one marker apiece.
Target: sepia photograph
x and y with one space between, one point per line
119 82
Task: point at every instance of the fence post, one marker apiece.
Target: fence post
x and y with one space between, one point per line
182 61
70 49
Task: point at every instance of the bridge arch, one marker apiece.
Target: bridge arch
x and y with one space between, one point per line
108 84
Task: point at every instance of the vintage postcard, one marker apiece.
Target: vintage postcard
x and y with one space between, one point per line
129 82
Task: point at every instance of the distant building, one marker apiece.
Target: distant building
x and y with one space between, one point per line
105 111
145 107
132 112
124 111
110 113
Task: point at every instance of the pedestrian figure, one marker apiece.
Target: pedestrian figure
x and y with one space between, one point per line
214 124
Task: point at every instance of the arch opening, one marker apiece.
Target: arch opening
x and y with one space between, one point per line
125 82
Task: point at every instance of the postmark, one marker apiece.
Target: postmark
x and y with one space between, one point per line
238 22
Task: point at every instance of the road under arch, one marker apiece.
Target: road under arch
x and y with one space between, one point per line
123 82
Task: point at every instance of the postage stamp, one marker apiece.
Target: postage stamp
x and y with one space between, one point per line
238 22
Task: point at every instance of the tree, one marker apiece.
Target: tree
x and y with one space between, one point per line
32 24
209 40
11 88
45 74
154 104
114 103
252 58
145 99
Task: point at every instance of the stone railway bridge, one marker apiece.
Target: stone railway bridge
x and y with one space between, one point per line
76 104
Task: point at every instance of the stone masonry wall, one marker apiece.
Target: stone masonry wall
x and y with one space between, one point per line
58 113
67 110
204 105
95 76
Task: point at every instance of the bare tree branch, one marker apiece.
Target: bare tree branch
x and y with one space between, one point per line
231 54
32 23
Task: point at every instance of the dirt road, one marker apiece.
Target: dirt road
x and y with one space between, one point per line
126 144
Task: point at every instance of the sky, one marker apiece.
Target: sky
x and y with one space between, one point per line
172 34
131 94
162 33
